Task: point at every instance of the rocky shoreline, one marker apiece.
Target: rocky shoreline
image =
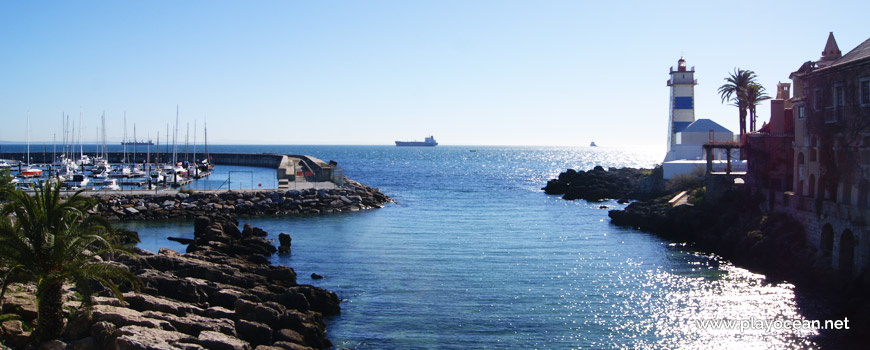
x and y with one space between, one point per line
736 228
221 294
351 197
599 184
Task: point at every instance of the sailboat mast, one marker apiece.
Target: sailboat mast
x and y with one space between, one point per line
205 128
81 147
124 159
134 143
186 136
175 139
27 136
194 140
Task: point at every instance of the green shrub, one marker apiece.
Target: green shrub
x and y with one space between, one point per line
688 181
696 197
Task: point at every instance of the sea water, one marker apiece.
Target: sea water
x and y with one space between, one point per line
473 254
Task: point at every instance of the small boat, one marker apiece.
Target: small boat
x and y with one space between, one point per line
30 172
157 175
428 142
83 160
593 144
77 181
4 163
110 185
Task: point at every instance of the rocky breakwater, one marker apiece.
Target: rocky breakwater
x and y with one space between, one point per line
221 294
599 184
351 197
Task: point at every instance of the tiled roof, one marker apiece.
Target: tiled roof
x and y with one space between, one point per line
860 52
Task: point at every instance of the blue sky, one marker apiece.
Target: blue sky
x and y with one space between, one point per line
370 72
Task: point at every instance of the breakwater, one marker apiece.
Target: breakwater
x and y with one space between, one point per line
350 197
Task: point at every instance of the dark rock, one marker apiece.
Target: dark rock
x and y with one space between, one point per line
180 240
284 241
320 300
315 276
247 310
599 184
52 345
104 333
254 332
290 346
289 335
88 343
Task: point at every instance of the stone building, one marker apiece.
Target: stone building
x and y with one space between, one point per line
829 189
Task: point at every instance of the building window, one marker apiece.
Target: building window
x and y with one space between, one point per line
864 91
801 112
817 100
839 101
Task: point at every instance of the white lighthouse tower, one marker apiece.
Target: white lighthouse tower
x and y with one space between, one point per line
682 84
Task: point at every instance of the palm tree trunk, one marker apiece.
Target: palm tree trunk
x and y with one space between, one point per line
751 119
49 322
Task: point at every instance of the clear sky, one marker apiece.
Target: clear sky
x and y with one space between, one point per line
371 72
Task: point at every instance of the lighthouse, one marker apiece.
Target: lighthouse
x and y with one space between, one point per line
682 103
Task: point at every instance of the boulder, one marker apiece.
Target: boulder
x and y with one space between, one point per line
219 341
121 317
247 310
289 335
87 343
194 324
104 334
255 333
144 338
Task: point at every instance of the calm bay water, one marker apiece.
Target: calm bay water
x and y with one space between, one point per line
474 255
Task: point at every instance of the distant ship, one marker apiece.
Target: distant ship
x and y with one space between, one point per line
429 142
137 143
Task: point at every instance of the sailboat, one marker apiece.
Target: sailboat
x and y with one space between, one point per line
29 171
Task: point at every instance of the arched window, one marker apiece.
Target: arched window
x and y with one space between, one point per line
801 158
811 191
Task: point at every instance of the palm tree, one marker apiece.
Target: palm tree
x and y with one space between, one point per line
50 241
733 91
753 95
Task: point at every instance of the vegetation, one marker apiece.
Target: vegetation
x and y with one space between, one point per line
50 241
753 95
686 181
5 181
743 91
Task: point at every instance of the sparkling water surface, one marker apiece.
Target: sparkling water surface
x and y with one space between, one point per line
473 254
